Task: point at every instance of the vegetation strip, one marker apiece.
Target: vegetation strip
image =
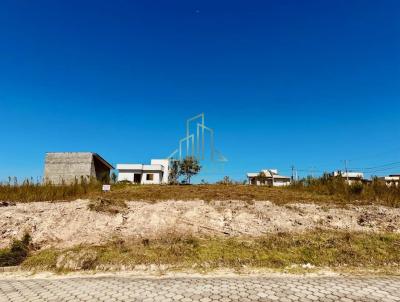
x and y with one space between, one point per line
318 248
325 190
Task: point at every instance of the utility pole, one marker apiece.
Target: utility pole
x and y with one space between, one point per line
293 174
347 172
312 171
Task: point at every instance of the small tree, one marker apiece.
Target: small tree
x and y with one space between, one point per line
173 173
114 177
189 167
225 181
262 178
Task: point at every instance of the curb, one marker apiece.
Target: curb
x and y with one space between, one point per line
8 269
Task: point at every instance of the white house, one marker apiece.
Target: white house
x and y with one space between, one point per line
393 179
272 178
155 173
351 177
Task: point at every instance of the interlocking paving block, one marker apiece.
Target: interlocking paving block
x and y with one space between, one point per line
239 289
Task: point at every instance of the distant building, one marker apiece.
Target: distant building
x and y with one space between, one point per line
68 167
155 173
351 177
391 180
272 178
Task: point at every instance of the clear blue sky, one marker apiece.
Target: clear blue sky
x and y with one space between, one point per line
308 83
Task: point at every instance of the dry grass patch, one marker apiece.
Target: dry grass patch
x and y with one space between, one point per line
283 195
155 193
315 192
107 206
31 192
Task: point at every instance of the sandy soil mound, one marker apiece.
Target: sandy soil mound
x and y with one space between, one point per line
66 224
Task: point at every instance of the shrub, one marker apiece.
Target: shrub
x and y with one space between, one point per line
225 181
356 188
125 182
17 252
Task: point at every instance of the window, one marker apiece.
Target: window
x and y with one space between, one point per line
149 176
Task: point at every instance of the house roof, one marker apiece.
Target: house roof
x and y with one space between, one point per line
269 174
140 167
95 155
106 163
153 168
348 174
391 177
252 174
281 177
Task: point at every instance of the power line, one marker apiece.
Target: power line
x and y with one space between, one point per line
381 170
310 171
380 166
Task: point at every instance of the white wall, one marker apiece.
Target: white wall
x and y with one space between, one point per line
156 178
165 164
125 175
281 183
277 183
159 168
128 174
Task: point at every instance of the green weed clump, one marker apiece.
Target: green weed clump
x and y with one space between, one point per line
16 253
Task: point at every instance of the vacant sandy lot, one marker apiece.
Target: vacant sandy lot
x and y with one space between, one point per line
65 224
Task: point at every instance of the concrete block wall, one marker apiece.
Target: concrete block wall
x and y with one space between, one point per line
66 166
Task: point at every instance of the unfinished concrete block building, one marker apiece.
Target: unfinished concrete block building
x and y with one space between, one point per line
66 167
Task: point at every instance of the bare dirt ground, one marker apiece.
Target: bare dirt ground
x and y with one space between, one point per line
66 224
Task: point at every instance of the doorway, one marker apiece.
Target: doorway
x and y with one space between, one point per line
137 178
